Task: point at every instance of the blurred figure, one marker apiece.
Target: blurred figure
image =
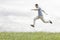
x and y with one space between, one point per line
40 15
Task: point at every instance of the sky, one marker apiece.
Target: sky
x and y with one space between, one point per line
16 15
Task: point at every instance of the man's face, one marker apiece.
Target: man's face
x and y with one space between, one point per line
36 6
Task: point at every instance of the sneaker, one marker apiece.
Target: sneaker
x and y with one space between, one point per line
51 22
32 25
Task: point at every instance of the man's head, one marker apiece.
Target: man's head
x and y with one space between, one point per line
36 5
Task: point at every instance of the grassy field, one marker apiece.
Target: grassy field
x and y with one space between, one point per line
29 36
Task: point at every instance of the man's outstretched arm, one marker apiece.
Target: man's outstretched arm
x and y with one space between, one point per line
35 9
44 12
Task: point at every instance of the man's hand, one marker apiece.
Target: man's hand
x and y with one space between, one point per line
46 13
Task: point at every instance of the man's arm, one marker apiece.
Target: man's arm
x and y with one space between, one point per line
35 9
44 12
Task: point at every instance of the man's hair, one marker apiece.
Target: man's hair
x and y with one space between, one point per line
36 4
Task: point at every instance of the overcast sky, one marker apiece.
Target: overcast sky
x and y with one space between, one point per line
15 13
50 6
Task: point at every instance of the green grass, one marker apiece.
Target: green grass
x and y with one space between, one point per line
29 36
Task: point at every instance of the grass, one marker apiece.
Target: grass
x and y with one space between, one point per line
29 36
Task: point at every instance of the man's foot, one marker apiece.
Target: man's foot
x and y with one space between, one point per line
51 22
32 25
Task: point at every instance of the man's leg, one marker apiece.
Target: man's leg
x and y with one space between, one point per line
34 21
41 17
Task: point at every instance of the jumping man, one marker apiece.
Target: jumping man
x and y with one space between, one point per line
40 15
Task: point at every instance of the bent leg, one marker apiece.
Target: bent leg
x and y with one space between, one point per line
35 20
41 17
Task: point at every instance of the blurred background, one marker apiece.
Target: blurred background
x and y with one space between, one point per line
17 16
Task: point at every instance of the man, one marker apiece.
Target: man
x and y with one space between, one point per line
40 15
